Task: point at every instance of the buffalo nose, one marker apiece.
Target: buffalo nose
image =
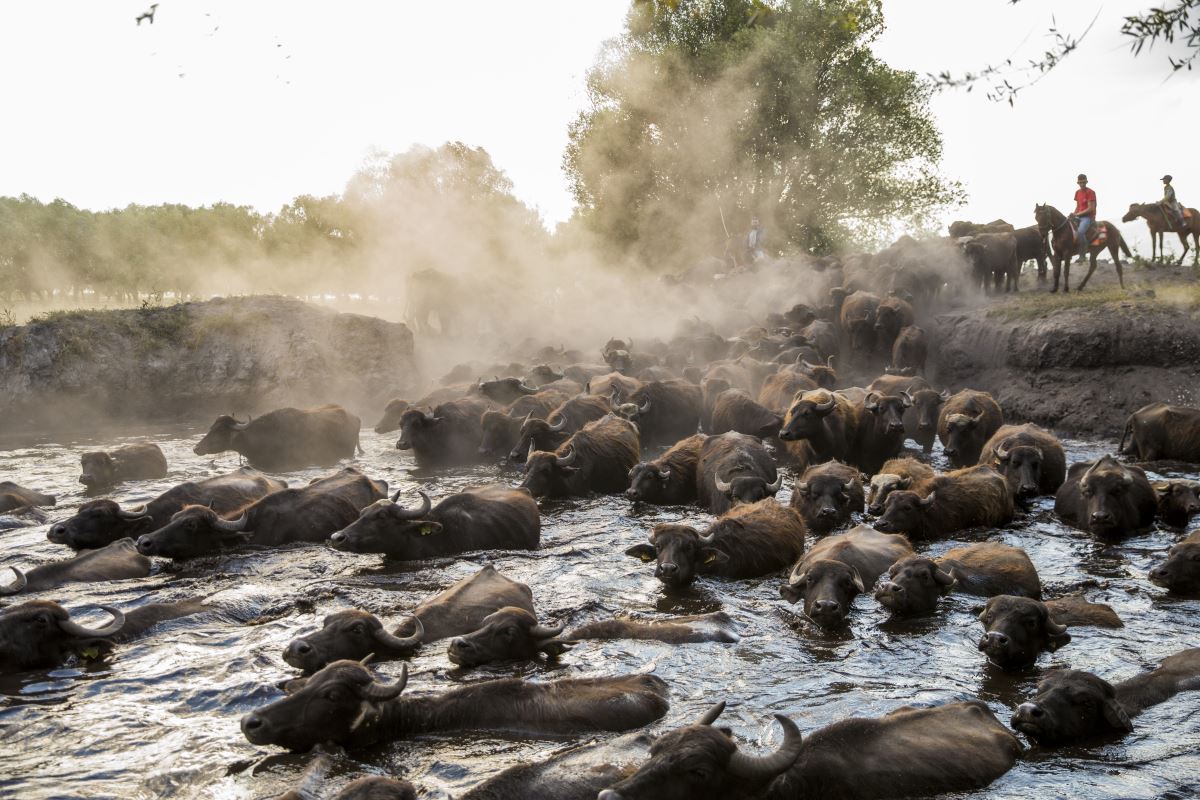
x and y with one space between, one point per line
145 545
300 647
993 639
895 427
950 451
924 426
1102 517
609 794
252 723
882 525
1027 490
57 533
483 451
1029 711
825 607
338 539
632 494
1159 573
668 569
403 444
829 511
875 511
893 588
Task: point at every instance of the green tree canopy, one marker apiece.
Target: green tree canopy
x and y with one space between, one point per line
745 107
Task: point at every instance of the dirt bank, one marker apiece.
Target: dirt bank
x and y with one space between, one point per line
1079 366
73 370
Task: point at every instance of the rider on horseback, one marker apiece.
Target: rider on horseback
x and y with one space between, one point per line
1085 214
1172 209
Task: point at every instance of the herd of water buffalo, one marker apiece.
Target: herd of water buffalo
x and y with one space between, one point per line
702 420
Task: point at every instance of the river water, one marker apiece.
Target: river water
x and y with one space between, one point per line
159 717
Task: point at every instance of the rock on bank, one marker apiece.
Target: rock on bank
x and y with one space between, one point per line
71 369
1076 370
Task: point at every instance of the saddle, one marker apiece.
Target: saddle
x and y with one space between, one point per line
1098 232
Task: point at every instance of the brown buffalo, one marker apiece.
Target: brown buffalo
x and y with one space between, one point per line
897 473
822 335
909 350
345 704
879 429
558 426
909 752
734 468
826 420
988 569
307 514
100 522
596 459
1072 705
447 436
1031 460
490 517
839 568
130 463
966 498
1180 572
891 316
1178 501
503 391
735 410
1107 498
392 412
714 627
671 478
287 438
778 390
745 542
613 385
827 495
508 634
1162 432
14 497
967 420
501 430
113 562
858 316
348 633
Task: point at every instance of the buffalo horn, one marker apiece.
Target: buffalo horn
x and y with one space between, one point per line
111 629
871 401
131 515
17 585
401 642
383 691
557 427
645 409
710 716
567 460
806 364
777 485
526 388
829 362
928 501
759 769
428 416
707 540
241 426
664 474
802 488
822 408
722 486
1002 453
908 401
416 513
546 631
232 525
944 395
530 452
1053 628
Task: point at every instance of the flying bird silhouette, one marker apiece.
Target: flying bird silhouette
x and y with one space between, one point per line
147 15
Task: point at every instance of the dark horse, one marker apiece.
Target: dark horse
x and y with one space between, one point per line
1062 242
1157 222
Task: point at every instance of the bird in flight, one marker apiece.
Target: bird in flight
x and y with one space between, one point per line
147 15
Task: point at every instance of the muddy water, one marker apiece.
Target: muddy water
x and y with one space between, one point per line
159 717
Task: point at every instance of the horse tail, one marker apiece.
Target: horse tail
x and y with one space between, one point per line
1125 248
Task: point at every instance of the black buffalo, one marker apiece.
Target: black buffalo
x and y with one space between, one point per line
1178 501
113 562
735 468
671 478
350 633
447 436
827 495
14 497
668 410
1107 498
287 438
486 518
596 459
565 420
102 470
1180 572
915 583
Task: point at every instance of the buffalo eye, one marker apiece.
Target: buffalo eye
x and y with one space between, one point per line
1194 557
1086 491
1030 623
700 773
41 621
359 629
333 694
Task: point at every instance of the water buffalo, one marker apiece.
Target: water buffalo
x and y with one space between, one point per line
746 542
287 438
734 410
613 385
822 335
734 468
1162 432
879 429
306 514
967 420
1178 501
350 633
891 316
374 787
988 569
966 498
909 752
343 703
921 422
576 774
456 611
910 350
1106 498
596 459
14 497
837 569
1071 704
857 318
558 426
714 627
1180 572
509 634
392 412
503 391
113 562
1018 629
826 420
543 374
130 463
1031 460
501 430
897 474
40 634
668 410
447 436
491 517
100 522
778 390
827 495
671 478
993 259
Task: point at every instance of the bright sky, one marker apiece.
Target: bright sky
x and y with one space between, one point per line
258 102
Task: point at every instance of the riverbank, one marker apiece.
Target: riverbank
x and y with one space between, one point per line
79 369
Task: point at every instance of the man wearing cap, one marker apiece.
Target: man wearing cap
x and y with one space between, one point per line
1085 214
1172 207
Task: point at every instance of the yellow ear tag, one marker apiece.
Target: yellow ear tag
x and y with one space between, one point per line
427 529
646 557
711 558
90 653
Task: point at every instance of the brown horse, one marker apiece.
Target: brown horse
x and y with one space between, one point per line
1157 222
1062 243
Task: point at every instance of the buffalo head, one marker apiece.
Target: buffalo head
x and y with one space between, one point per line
548 474
41 634
509 634
1070 705
351 635
221 436
1017 629
389 528
913 586
194 531
681 552
98 523
748 489
647 482
828 588
806 418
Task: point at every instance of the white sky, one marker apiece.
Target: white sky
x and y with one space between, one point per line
256 102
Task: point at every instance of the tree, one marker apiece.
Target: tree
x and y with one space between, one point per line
706 109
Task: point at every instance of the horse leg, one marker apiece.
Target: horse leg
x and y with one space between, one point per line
1091 269
1182 241
1067 256
1116 257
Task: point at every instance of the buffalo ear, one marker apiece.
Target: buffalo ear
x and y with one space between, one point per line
1161 488
858 581
727 731
294 685
710 557
1057 640
646 552
556 647
791 592
1116 716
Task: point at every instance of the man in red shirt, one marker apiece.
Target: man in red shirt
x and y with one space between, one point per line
1085 213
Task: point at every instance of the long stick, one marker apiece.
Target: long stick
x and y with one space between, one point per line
722 212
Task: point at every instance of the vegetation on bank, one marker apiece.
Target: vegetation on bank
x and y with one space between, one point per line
1159 297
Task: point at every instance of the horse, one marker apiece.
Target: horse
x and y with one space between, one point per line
1062 242
1158 223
